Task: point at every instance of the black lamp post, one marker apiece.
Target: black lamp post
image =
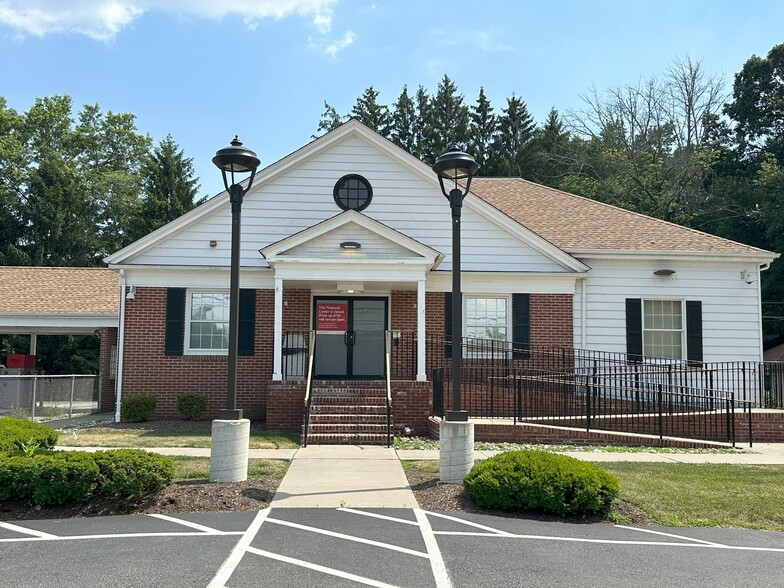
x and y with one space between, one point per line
234 159
456 165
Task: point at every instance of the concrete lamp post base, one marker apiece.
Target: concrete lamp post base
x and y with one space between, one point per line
229 450
456 445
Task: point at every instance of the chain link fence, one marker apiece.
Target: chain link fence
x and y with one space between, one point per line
36 397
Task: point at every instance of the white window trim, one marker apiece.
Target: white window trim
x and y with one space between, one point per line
682 329
186 350
489 355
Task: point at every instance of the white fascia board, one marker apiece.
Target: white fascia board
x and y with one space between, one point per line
196 277
505 283
52 323
752 256
361 272
270 252
524 234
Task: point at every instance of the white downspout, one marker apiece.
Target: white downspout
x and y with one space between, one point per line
421 375
583 314
120 350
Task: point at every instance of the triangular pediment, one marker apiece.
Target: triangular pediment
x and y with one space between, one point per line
350 237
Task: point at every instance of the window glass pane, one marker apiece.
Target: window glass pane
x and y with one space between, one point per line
209 318
486 318
663 329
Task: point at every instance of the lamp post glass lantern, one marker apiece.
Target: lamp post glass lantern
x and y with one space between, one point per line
456 165
231 160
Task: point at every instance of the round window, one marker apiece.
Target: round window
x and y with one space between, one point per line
353 192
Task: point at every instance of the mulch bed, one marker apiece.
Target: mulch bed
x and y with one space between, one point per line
201 496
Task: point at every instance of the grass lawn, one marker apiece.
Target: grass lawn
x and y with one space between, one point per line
709 495
198 468
158 437
689 495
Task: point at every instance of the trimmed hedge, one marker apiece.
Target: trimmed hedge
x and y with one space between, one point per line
138 408
60 477
15 432
48 478
540 481
191 406
133 472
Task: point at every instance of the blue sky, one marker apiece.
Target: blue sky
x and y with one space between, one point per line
204 70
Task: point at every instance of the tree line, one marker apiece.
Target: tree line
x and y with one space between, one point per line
679 146
75 188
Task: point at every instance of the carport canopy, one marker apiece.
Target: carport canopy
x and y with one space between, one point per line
58 300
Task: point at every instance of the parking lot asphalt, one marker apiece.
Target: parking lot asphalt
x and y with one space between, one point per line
295 547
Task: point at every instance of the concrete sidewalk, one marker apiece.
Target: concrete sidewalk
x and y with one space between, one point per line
763 454
332 476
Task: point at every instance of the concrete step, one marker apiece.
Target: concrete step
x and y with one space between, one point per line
346 428
348 409
347 439
348 418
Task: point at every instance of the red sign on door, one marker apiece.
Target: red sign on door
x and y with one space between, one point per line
332 316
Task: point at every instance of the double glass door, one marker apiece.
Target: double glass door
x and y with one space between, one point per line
349 337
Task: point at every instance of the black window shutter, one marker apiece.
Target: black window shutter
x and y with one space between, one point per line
634 329
246 336
448 324
521 324
175 321
694 331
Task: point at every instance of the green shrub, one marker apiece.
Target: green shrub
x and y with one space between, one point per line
138 408
16 432
191 406
540 481
48 478
133 472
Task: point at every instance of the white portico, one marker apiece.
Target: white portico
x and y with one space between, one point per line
350 253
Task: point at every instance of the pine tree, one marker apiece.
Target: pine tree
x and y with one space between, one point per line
371 113
449 118
550 158
515 135
330 120
169 187
423 128
402 131
482 133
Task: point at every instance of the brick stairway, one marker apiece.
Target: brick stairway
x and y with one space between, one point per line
348 413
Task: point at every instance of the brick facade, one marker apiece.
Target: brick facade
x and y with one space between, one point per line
148 371
107 380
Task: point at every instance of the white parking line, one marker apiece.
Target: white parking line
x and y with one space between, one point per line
347 537
318 568
116 536
651 531
198 527
378 516
26 531
227 569
436 559
470 524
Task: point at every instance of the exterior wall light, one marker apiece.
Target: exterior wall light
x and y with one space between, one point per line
666 273
350 245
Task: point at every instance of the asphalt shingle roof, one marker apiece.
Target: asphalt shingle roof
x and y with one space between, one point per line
573 222
58 290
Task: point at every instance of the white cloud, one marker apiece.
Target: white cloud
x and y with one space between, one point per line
336 47
103 19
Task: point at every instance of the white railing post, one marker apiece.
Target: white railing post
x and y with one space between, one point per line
70 403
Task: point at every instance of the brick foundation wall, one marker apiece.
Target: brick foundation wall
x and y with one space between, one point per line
106 381
529 433
412 405
285 406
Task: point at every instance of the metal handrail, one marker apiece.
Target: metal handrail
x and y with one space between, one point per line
387 345
308 384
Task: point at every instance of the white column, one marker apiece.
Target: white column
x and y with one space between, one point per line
421 374
34 343
277 348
